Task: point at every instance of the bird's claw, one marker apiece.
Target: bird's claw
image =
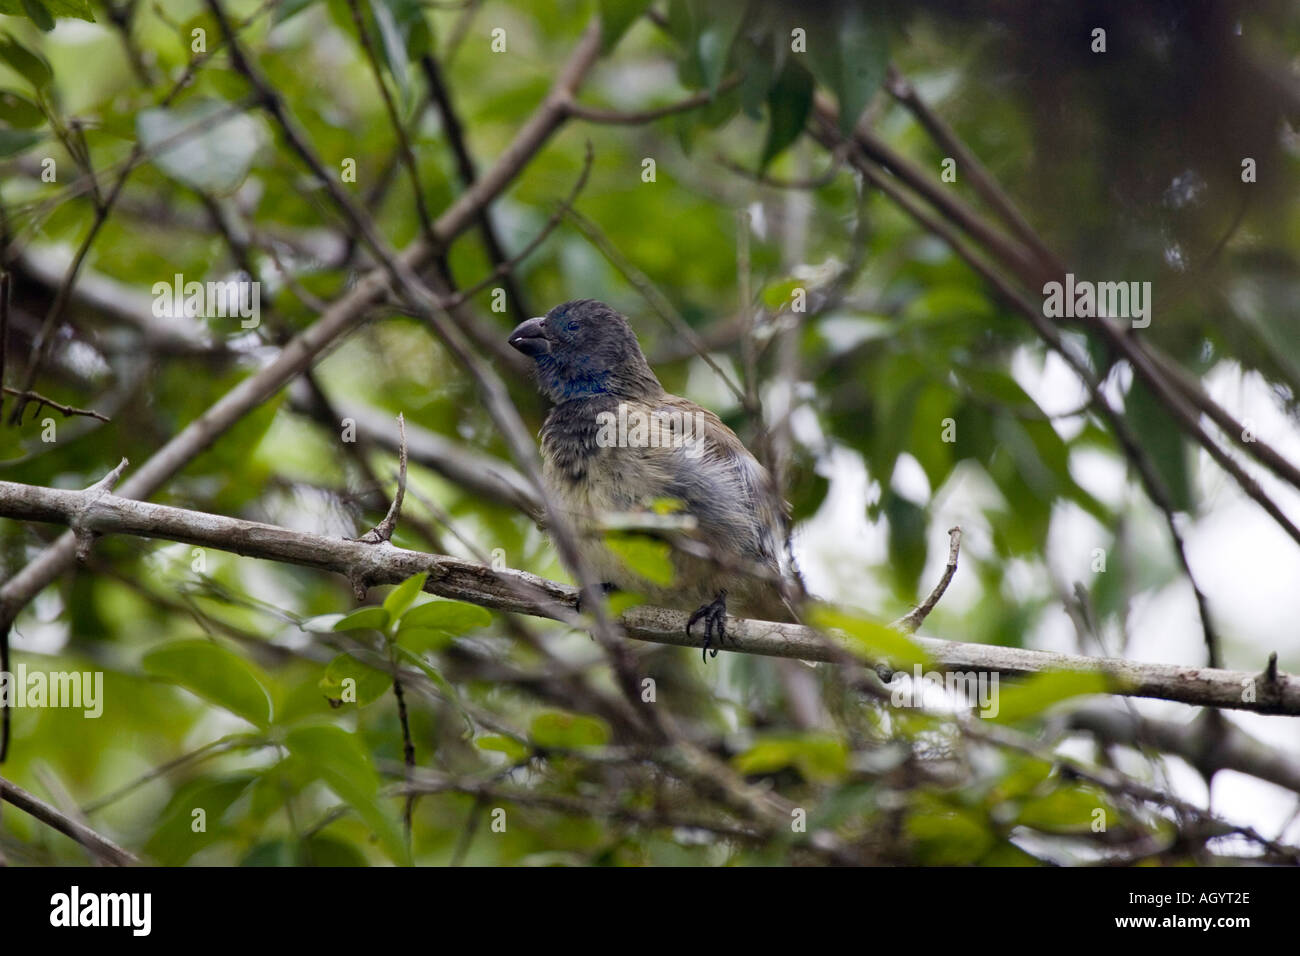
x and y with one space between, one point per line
714 615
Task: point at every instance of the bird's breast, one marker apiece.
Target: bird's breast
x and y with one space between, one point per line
586 479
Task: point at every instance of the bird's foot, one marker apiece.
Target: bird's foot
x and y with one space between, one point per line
606 587
714 615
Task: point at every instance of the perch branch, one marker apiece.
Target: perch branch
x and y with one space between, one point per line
103 848
1264 692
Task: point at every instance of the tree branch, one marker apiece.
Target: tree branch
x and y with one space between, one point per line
1268 692
103 848
1229 749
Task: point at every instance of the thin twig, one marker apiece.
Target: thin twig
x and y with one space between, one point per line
909 622
394 119
42 401
595 114
506 267
408 745
103 848
806 182
467 169
383 531
213 749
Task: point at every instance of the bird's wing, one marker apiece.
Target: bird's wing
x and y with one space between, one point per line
712 472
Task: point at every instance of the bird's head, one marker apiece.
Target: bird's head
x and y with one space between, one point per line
584 348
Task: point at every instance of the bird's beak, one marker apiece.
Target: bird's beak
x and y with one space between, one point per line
530 337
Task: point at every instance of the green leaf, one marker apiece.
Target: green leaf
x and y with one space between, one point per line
402 596
316 850
565 731
339 759
1034 695
615 18
758 62
78 9
1008 854
1023 775
513 749
33 67
174 839
321 623
320 850
14 141
907 541
946 836
933 404
849 54
716 36
647 557
408 16
18 110
210 26
365 619
778 293
1162 441
1070 809
393 47
368 683
871 640
681 21
844 803
821 758
40 16
192 145
424 640
456 617
788 104
289 8
215 674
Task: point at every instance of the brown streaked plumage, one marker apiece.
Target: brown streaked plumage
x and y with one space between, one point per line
590 365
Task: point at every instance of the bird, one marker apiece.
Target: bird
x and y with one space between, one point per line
615 441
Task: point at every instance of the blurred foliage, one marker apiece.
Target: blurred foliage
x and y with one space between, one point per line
1127 163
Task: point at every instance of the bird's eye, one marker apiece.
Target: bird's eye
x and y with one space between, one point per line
571 325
